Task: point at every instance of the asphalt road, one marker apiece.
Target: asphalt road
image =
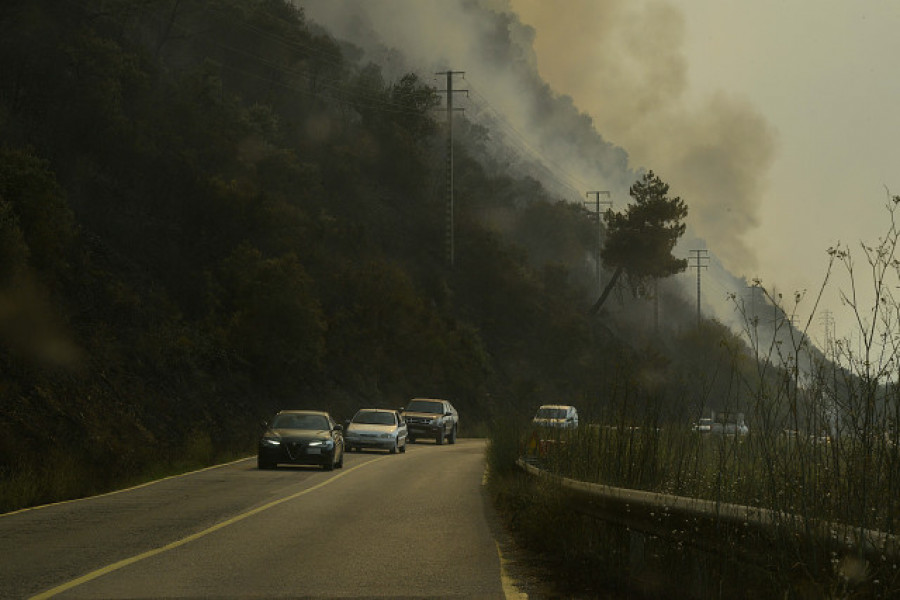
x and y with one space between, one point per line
407 525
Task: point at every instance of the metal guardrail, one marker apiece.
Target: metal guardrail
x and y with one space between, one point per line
745 532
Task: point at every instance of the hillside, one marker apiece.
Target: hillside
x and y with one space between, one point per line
210 211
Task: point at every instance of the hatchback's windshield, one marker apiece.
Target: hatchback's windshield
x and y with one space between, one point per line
551 413
371 417
316 422
426 406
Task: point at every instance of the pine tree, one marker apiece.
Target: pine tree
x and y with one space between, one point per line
640 241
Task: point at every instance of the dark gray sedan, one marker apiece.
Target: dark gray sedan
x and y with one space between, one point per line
302 437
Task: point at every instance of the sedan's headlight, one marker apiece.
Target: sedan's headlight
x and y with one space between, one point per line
322 444
269 441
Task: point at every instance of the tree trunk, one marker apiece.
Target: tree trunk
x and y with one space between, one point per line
609 286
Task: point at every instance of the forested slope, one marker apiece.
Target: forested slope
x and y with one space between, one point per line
208 212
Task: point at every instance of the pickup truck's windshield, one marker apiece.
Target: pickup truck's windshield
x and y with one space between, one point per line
426 406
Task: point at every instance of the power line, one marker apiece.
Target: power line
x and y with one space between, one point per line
519 140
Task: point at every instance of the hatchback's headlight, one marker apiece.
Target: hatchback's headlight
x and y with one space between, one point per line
271 441
322 444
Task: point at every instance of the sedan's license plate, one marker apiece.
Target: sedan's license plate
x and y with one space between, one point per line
314 451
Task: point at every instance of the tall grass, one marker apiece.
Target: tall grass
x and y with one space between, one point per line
59 475
823 443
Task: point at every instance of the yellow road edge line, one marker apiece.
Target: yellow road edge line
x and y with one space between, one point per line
131 560
510 591
128 489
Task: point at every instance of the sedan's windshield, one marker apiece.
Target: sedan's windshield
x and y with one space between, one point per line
316 422
551 413
371 417
426 406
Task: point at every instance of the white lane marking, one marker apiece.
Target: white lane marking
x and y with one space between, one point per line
128 489
129 561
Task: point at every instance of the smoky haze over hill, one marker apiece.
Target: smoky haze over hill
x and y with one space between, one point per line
494 49
584 99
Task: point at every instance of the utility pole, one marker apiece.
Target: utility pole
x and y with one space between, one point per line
827 319
699 256
597 202
753 320
451 236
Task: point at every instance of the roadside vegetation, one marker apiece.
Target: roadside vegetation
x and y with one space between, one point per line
822 448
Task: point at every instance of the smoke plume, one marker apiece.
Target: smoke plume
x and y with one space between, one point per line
597 88
622 62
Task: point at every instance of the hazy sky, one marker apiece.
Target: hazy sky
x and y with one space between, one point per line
808 89
775 120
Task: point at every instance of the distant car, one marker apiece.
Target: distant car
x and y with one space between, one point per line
376 428
560 416
430 417
302 437
792 435
707 425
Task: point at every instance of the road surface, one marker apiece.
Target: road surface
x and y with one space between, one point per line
406 525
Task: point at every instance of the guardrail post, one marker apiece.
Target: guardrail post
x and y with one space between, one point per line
636 556
700 584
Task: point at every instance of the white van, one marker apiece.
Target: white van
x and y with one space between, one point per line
556 415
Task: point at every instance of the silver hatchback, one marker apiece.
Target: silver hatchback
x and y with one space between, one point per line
376 428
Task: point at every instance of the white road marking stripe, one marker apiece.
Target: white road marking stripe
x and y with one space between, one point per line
128 561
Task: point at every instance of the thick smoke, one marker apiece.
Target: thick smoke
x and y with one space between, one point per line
597 89
506 93
622 62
